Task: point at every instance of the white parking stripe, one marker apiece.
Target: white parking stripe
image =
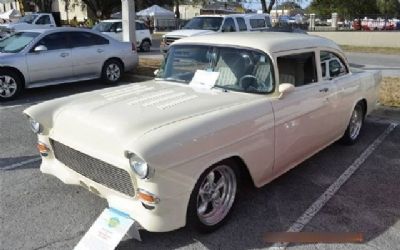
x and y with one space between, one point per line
19 164
303 220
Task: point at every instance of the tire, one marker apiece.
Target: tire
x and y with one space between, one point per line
354 127
145 46
203 215
11 85
112 71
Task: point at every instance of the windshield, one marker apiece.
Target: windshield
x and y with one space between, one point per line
16 42
235 69
28 18
204 23
105 27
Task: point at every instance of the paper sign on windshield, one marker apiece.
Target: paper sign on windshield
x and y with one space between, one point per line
204 79
106 232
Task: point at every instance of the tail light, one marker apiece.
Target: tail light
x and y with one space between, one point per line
133 47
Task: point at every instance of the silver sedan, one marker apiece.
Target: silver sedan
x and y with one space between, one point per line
37 58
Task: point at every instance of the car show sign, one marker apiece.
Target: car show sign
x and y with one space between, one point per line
107 231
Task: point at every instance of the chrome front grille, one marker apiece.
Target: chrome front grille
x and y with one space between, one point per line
169 40
94 169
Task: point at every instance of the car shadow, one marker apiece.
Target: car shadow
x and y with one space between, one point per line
276 206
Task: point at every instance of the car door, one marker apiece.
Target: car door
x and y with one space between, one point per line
89 52
55 64
303 117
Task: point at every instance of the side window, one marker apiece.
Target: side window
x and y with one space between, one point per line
257 23
241 23
118 26
43 20
138 27
298 69
229 25
85 39
54 41
332 65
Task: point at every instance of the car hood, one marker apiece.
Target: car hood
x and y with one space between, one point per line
186 33
128 112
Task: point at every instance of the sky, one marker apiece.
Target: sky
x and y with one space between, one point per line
255 4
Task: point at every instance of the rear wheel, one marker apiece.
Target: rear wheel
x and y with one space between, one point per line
354 128
10 85
213 197
112 71
145 46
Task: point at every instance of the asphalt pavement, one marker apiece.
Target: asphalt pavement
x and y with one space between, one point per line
38 211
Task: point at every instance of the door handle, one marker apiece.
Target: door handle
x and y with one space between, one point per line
100 50
324 90
64 54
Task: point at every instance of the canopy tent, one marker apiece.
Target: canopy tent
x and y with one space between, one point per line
11 14
156 12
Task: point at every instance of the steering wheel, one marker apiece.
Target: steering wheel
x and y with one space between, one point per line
251 82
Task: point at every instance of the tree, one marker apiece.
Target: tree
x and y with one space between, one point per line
388 7
102 8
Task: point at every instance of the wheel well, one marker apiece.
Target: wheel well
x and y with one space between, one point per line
116 59
363 103
21 76
247 179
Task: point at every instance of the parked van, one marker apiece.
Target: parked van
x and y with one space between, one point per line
113 28
208 24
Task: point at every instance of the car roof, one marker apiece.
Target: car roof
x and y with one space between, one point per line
265 41
235 15
117 20
57 29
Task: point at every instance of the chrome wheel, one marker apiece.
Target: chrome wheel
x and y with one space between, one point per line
8 86
356 122
113 72
216 195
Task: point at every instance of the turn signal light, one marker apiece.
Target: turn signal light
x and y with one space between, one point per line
147 197
43 149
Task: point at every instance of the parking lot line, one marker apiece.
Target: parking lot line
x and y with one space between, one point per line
19 164
306 217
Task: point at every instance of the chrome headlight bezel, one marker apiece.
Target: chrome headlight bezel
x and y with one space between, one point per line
139 166
36 127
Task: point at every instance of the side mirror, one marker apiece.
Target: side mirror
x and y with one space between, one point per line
118 30
285 88
40 48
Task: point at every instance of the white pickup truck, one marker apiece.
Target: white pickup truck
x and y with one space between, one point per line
28 22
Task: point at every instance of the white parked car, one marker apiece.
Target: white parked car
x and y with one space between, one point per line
113 28
42 57
174 150
209 24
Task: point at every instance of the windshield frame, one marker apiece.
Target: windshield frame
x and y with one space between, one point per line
186 83
204 17
36 34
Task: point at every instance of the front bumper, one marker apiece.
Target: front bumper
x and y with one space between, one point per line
169 214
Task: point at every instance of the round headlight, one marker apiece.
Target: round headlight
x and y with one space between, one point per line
139 166
35 126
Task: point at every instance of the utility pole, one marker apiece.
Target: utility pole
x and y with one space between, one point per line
128 21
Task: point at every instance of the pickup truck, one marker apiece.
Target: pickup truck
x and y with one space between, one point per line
28 22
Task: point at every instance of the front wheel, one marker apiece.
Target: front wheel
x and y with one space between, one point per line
354 128
112 71
10 85
213 197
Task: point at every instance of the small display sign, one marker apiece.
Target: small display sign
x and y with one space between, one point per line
107 231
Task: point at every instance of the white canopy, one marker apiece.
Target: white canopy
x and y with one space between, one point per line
156 12
10 14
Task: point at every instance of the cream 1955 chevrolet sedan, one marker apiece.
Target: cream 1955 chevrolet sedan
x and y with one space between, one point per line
174 150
